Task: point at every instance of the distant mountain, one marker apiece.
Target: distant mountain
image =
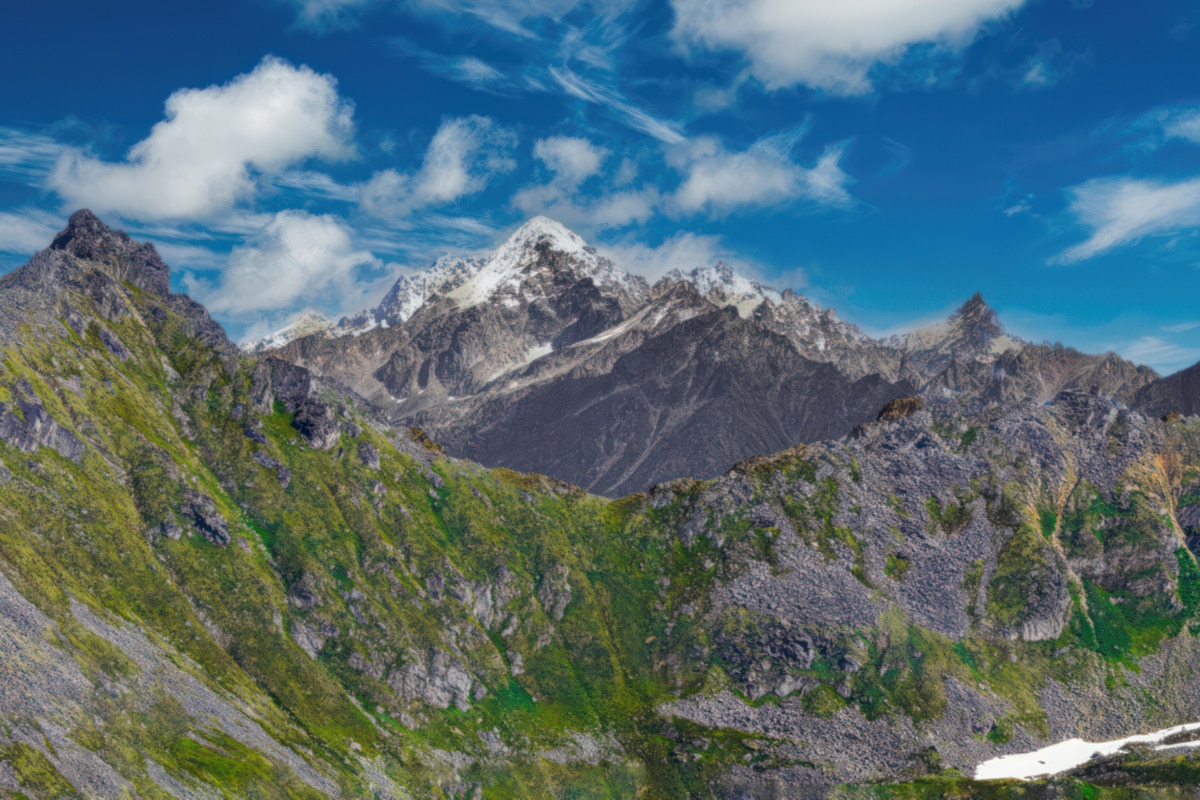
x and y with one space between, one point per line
547 356
551 357
1177 393
309 323
410 292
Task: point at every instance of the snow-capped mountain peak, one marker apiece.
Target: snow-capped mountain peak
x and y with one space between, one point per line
308 323
539 229
411 290
511 272
725 286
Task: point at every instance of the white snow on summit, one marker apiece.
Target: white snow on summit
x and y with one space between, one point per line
504 270
411 291
308 323
725 286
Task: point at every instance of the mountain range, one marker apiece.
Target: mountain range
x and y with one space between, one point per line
225 575
545 356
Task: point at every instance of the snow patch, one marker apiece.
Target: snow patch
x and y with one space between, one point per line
1070 754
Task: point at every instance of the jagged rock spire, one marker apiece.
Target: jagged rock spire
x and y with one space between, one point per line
87 238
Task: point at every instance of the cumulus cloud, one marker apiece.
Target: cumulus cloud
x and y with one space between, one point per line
718 181
1121 211
463 156
573 160
203 157
297 257
829 45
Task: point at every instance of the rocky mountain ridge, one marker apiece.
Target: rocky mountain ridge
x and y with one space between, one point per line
546 356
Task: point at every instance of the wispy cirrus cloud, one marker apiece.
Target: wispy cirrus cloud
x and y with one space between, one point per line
1157 351
26 157
629 113
470 70
1121 211
1184 124
1049 66
202 158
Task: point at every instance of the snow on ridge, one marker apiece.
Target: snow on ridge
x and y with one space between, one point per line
503 269
309 322
1070 754
732 287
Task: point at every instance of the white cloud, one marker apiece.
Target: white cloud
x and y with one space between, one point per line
573 160
717 181
636 118
1158 352
317 184
26 231
470 69
27 156
298 257
321 14
683 251
1023 206
463 156
829 45
1120 211
1182 327
1185 125
511 15
202 158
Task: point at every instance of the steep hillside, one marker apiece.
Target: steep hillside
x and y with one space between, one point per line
1178 393
222 576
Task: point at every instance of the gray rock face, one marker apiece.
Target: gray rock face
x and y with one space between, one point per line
300 393
282 473
29 426
1178 393
436 679
946 492
203 513
368 454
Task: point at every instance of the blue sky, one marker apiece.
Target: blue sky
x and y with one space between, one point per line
887 157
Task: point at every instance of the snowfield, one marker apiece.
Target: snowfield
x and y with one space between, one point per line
1070 754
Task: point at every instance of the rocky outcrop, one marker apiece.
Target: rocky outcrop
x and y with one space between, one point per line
282 473
203 514
435 679
27 426
1178 393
